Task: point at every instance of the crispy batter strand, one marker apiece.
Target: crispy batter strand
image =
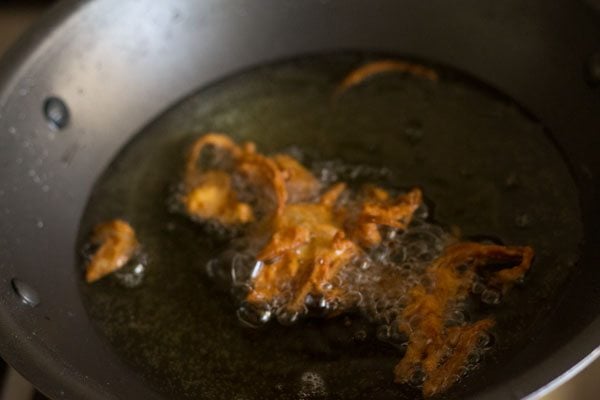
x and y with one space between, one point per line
438 351
117 244
378 210
364 72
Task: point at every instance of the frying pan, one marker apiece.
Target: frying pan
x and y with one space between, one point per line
92 74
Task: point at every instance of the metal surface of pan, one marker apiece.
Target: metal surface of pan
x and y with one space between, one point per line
116 65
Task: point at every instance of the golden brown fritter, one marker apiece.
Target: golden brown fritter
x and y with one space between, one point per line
378 209
439 351
308 239
306 250
213 198
311 243
116 243
209 193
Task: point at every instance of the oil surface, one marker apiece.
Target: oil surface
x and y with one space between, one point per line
483 164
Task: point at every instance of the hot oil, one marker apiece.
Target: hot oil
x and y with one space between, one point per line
483 164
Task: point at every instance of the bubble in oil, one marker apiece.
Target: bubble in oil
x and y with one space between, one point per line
486 340
212 267
244 266
390 334
418 378
456 318
220 269
313 302
474 358
253 316
360 336
380 254
333 171
286 317
312 386
490 296
132 274
477 287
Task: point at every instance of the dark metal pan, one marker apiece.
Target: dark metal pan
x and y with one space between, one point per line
115 66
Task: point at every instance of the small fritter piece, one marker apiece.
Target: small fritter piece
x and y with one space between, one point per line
213 198
209 191
377 209
440 352
117 244
362 73
300 184
306 251
224 148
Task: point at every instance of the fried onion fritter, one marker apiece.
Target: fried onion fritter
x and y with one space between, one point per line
439 351
310 239
306 237
214 197
307 249
210 192
116 243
